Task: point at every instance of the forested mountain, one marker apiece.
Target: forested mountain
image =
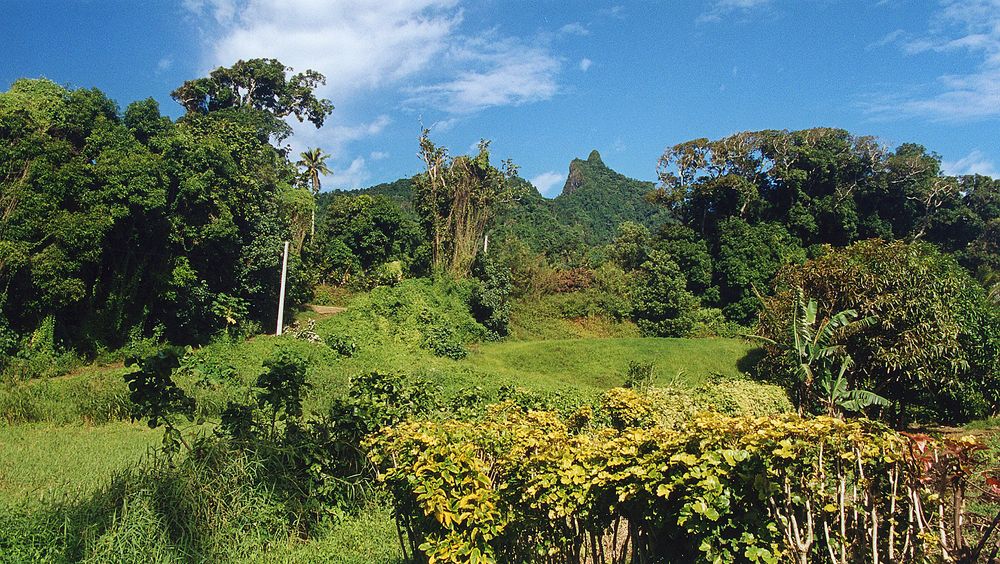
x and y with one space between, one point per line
594 202
597 200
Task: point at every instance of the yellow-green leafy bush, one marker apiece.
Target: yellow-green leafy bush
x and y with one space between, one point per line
673 406
520 486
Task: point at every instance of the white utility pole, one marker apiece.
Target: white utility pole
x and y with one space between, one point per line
281 296
486 243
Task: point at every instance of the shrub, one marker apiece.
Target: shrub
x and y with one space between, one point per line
387 274
341 345
742 397
490 300
519 486
662 305
330 295
441 340
37 355
409 315
572 279
641 405
639 376
628 409
711 322
934 348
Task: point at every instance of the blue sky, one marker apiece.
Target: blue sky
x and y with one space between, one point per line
549 80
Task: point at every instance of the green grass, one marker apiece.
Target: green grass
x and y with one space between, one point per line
39 460
74 493
65 438
591 365
369 537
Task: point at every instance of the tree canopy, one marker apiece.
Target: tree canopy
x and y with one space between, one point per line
260 85
116 223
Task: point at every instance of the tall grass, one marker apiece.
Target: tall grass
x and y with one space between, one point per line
213 507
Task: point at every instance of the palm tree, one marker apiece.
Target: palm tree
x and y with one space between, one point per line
314 163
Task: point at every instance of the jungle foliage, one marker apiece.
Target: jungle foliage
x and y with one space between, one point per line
932 345
119 223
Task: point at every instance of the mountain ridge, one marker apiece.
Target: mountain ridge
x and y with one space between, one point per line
594 200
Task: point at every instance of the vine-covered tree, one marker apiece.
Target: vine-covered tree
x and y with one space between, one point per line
457 198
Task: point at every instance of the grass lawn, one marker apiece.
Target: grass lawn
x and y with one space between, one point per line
599 364
43 459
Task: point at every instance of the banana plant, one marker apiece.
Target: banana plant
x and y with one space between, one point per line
822 362
837 396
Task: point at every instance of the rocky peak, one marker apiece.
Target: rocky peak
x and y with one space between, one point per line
575 178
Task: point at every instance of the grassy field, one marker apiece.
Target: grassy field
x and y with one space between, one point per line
64 455
63 438
40 460
573 366
599 364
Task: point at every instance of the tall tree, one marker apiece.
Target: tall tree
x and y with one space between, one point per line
457 199
314 163
260 85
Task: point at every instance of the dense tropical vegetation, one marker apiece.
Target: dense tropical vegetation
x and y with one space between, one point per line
723 366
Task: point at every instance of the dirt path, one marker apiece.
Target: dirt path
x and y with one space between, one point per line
326 310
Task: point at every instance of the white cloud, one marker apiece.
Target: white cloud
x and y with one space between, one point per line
222 10
498 72
356 175
335 140
359 45
164 64
585 64
722 8
547 182
346 133
575 28
891 37
442 125
971 27
615 11
973 163
378 155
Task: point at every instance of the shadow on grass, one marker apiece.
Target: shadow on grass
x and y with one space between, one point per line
747 364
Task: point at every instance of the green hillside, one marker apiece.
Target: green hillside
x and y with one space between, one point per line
594 201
